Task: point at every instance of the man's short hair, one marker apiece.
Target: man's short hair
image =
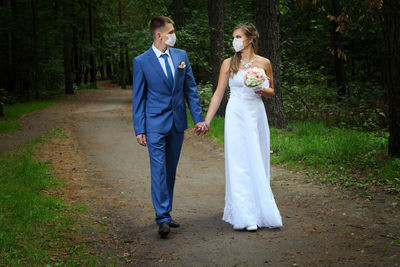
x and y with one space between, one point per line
157 23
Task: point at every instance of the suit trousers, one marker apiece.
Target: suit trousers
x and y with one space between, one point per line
164 152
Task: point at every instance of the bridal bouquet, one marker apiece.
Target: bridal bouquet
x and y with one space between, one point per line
254 78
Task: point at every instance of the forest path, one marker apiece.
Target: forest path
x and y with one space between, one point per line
109 172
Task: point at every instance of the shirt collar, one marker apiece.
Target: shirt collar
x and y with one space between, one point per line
158 52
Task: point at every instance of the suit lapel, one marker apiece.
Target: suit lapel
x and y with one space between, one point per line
156 65
175 60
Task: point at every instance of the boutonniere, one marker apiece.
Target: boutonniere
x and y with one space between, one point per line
182 65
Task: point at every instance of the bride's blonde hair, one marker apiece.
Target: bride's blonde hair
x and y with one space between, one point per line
251 32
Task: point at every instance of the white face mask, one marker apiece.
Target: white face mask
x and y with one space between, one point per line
171 39
237 44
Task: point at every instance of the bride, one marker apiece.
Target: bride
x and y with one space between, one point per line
249 201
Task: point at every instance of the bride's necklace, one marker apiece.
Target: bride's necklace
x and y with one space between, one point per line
247 65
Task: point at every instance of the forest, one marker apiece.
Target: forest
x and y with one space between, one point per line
334 62
75 187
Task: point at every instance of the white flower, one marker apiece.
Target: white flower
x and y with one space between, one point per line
254 77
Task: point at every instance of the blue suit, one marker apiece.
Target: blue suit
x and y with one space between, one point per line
159 111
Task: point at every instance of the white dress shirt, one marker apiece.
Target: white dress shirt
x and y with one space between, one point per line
162 62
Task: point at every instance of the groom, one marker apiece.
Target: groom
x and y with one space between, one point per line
162 79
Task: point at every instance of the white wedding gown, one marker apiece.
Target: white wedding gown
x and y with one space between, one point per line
248 196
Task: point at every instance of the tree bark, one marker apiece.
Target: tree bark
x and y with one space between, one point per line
391 11
35 51
67 49
11 49
178 14
109 71
1 107
77 59
336 43
91 56
121 50
102 68
267 20
216 12
128 66
289 41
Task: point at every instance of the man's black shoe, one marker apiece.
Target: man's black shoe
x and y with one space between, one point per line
163 229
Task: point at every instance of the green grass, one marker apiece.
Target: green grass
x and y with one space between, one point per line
88 88
13 112
216 129
329 154
35 225
336 155
17 110
9 126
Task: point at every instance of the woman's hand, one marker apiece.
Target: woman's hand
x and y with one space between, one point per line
266 92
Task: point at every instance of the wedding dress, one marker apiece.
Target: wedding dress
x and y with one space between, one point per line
248 196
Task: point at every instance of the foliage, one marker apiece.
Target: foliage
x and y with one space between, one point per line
205 94
312 97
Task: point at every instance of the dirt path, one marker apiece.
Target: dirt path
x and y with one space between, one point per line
109 173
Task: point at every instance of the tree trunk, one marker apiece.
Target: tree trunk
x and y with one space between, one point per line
109 71
121 50
128 66
77 59
11 49
289 41
92 59
337 50
391 11
216 12
178 15
102 68
35 51
86 75
67 49
267 20
1 107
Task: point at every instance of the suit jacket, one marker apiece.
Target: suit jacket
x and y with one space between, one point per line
156 107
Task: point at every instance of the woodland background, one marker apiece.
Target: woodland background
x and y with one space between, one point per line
335 62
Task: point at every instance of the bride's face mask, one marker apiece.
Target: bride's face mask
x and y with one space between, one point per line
238 43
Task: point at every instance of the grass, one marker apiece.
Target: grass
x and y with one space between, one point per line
9 126
13 112
17 110
339 156
88 88
216 129
35 226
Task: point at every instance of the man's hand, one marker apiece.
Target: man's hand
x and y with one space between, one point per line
201 128
141 138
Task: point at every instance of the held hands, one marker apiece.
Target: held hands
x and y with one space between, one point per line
201 128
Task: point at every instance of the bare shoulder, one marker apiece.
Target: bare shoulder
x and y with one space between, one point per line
225 64
263 60
227 61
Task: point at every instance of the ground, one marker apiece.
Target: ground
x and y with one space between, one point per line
107 171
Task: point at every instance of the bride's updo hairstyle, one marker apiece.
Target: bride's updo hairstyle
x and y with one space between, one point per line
251 33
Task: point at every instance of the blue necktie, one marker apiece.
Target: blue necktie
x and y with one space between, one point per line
168 68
